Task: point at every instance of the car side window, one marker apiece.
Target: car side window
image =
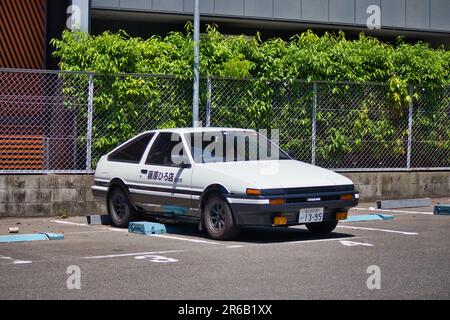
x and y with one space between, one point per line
161 151
132 151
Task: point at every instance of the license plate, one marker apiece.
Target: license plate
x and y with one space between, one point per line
309 215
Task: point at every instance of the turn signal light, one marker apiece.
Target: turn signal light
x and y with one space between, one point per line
253 192
275 202
341 215
347 197
279 221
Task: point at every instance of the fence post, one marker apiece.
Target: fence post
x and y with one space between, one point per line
410 127
90 107
208 102
313 133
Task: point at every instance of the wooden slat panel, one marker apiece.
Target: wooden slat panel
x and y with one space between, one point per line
22 34
21 152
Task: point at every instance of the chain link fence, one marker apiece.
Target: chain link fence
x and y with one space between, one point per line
54 121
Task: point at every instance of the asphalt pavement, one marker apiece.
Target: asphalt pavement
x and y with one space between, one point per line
404 258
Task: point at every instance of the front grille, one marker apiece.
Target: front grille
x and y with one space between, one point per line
326 189
305 199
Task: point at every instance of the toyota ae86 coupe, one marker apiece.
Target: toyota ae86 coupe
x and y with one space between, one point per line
221 178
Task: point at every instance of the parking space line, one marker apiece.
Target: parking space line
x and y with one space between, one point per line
183 239
90 231
394 211
132 254
382 230
118 230
14 261
69 222
307 241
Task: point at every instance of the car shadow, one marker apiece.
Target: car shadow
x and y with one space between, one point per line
256 234
283 234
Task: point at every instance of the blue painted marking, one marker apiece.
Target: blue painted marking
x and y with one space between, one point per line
23 238
145 227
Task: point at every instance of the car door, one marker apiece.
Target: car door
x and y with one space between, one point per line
164 179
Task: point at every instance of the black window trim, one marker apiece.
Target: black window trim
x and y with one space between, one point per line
127 143
152 142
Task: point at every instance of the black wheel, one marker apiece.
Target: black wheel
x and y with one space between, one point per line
322 227
120 208
218 219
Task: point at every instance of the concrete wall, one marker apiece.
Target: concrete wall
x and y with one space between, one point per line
53 195
424 15
401 185
46 195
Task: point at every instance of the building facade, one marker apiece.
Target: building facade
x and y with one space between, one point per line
426 20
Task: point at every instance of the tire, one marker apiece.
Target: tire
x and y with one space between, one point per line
218 219
120 208
322 227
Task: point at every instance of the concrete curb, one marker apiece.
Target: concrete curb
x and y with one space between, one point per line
403 203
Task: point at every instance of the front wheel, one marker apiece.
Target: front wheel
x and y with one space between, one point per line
322 227
120 208
218 219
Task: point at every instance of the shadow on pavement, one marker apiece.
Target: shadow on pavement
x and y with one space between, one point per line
255 234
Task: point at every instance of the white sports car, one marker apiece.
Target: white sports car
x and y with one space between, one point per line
221 178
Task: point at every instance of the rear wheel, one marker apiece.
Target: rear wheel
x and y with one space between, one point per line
120 208
322 227
218 219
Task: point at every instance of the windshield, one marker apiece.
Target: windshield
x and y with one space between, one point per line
229 146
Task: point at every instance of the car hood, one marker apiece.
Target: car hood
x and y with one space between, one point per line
271 174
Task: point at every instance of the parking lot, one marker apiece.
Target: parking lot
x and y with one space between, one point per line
411 252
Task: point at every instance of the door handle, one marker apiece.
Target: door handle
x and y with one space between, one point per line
144 171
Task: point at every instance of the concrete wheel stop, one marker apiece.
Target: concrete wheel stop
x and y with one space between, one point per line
146 228
99 219
369 217
442 209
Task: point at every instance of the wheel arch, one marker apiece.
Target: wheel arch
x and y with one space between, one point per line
207 192
118 183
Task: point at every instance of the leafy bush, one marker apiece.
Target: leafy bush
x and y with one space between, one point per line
374 125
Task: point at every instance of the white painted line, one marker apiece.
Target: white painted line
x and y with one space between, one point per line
22 262
117 229
382 230
132 254
81 232
390 210
183 239
14 261
69 222
236 246
354 243
307 241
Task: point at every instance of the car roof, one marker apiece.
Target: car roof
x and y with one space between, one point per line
199 129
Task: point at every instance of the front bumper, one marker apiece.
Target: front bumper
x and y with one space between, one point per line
257 211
